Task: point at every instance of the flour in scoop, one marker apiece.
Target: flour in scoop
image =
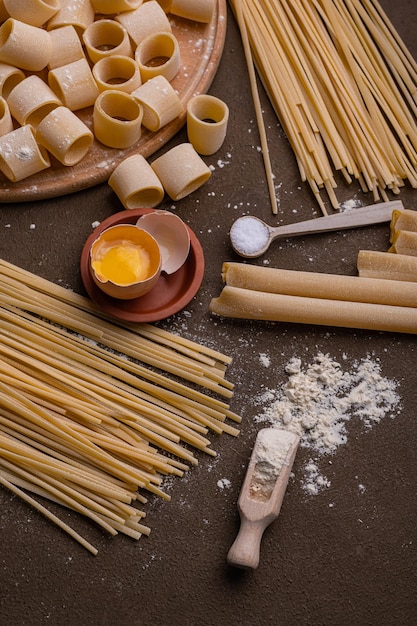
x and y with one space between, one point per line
273 447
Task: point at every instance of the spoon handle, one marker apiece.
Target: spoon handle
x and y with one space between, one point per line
373 214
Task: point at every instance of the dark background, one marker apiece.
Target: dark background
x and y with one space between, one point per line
339 557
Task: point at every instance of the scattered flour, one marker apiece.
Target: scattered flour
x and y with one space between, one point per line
224 483
272 453
319 400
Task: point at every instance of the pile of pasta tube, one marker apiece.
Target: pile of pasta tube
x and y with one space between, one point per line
382 297
94 414
58 58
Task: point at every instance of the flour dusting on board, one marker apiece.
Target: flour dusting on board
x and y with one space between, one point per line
319 400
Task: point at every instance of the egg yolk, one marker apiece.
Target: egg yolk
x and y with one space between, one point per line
123 264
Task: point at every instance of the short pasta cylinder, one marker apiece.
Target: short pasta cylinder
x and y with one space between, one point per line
24 46
74 84
110 7
207 118
21 155
6 122
117 119
31 100
160 102
149 18
65 46
65 136
117 72
77 13
163 46
196 10
4 14
10 76
34 12
181 171
104 38
136 184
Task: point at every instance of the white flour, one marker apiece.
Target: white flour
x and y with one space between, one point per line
319 400
273 448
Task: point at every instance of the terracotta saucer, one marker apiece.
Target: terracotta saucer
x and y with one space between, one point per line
171 293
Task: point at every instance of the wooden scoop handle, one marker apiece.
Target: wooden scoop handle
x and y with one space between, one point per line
245 551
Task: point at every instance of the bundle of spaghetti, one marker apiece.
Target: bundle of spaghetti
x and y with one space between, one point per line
343 86
83 422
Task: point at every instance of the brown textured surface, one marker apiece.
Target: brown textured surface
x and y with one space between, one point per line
341 557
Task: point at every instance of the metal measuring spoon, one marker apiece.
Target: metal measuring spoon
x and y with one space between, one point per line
251 237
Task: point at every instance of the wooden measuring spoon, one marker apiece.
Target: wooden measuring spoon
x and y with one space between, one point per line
262 493
251 237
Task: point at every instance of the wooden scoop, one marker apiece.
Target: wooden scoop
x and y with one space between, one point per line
262 493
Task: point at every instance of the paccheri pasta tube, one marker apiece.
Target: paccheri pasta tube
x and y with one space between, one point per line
181 171
74 84
117 119
65 46
79 14
149 18
403 220
65 136
10 76
197 10
6 122
31 100
104 38
34 12
207 119
24 46
158 45
20 154
136 184
117 72
160 103
258 305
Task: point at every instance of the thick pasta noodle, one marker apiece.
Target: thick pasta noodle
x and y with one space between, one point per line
207 119
65 46
77 13
136 184
158 45
10 76
20 154
64 135
181 171
74 84
31 100
197 10
117 119
148 19
24 46
115 427
34 12
104 38
160 102
117 72
6 122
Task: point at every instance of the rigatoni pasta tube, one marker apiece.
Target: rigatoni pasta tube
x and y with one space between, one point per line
404 242
318 285
160 102
149 18
34 12
375 264
256 305
31 100
65 136
181 171
20 154
136 184
24 46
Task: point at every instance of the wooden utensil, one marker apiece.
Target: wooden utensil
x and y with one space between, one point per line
262 493
364 216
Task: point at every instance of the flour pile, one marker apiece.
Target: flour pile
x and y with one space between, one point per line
319 400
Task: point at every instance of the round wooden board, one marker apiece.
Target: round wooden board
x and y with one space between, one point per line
201 47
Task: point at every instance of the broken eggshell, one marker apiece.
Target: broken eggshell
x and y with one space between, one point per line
172 236
125 261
